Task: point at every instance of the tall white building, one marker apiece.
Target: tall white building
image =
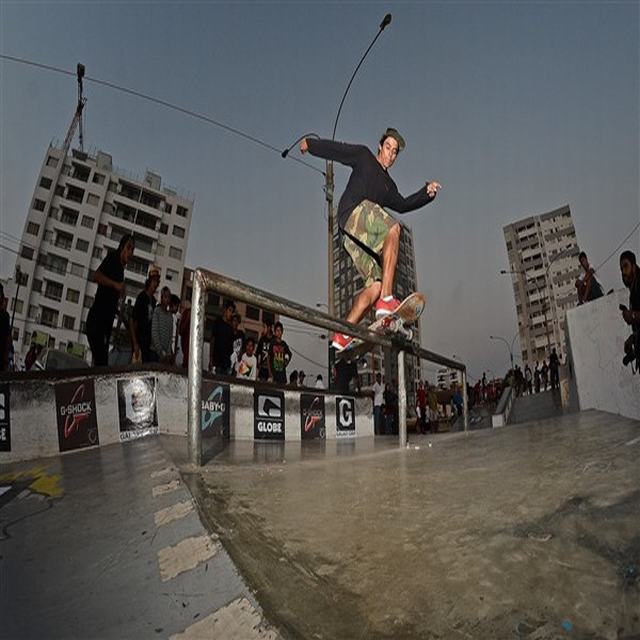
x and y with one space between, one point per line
448 378
82 205
543 257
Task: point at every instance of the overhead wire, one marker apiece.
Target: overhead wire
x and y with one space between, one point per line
159 101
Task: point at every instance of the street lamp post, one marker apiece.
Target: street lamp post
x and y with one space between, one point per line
329 186
509 346
15 298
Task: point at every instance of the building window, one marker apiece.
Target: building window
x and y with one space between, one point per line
268 317
59 191
46 183
178 231
53 212
63 240
88 301
93 199
68 322
73 295
23 279
98 178
37 285
97 253
176 253
69 216
160 249
53 290
82 245
167 207
164 228
17 305
102 229
182 211
253 313
49 317
52 162
27 252
33 228
83 327
39 205
87 221
113 186
172 275
75 194
33 312
76 269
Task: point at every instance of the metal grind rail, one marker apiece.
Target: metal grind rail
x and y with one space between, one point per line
204 280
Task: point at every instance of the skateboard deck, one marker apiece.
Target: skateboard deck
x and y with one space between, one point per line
397 323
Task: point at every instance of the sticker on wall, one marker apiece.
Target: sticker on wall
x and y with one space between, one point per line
76 415
345 417
312 416
268 415
215 416
5 418
137 407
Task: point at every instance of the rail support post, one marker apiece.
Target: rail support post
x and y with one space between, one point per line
196 340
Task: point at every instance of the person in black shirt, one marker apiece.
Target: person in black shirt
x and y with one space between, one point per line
263 350
631 277
371 236
140 323
279 355
110 279
5 333
221 344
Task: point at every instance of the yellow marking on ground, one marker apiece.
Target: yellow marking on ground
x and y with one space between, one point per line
185 555
44 483
238 620
174 512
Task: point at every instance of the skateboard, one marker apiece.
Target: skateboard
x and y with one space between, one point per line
397 323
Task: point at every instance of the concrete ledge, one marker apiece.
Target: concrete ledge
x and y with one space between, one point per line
36 417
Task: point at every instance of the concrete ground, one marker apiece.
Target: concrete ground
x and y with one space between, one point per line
531 531
106 543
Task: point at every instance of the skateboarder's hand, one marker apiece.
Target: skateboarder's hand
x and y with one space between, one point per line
433 188
304 147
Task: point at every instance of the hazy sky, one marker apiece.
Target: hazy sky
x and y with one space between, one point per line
516 108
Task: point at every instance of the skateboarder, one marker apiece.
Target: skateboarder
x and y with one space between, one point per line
371 236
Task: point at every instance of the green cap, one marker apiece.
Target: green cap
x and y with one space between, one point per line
393 133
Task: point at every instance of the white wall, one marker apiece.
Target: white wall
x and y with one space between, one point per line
595 337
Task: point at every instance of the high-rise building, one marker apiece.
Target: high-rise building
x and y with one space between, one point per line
543 258
448 378
348 284
82 205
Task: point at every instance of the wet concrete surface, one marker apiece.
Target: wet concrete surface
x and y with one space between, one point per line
531 531
539 406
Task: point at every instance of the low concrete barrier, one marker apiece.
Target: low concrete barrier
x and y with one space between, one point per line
44 414
501 417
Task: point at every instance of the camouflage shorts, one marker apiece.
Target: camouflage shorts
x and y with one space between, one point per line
368 223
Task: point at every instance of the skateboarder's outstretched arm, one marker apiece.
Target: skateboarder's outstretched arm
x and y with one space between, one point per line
341 152
420 198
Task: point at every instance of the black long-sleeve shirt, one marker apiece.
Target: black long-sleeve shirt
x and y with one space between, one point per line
368 180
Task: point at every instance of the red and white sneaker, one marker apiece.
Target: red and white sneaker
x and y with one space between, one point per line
340 341
386 307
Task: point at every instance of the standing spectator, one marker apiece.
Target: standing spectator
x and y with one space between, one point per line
247 367
484 386
528 378
536 378
631 279
378 400
293 378
263 350
554 370
587 285
319 382
221 345
422 408
279 355
301 376
31 357
184 332
238 340
346 377
141 318
110 279
162 328
390 409
432 400
5 332
544 375
457 402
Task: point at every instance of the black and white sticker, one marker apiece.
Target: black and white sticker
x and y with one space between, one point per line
268 415
345 417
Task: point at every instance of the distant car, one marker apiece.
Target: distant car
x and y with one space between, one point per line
57 360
